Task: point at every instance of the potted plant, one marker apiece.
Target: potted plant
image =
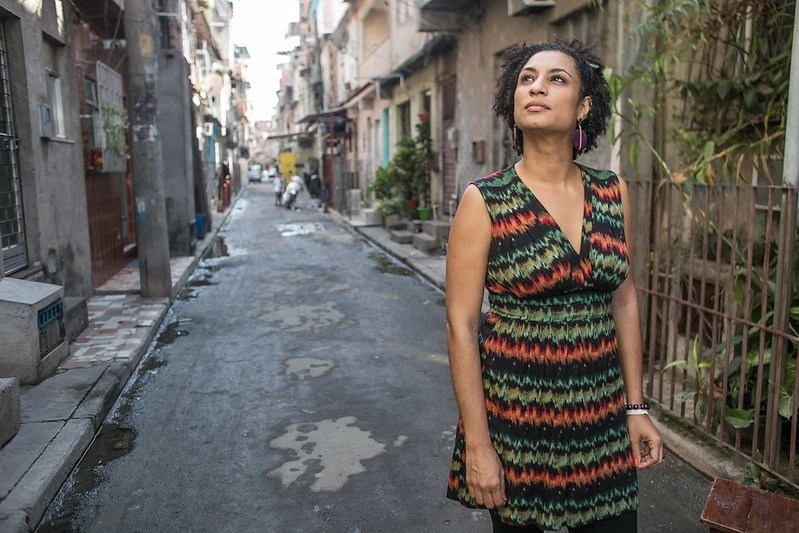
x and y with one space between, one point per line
424 155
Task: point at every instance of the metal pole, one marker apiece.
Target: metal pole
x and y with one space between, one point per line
787 239
790 169
148 170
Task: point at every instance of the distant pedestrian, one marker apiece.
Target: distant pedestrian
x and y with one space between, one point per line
277 183
549 383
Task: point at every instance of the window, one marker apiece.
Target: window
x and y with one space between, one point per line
113 123
12 226
93 109
56 100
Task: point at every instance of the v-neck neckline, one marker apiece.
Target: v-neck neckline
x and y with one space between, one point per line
584 240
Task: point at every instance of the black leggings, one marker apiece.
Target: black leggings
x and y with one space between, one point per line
626 522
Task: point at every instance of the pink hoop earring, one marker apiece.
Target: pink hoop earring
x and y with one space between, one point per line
579 137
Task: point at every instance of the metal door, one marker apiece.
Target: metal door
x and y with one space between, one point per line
12 228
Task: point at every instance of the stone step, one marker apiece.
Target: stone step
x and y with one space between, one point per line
402 236
10 418
437 228
425 242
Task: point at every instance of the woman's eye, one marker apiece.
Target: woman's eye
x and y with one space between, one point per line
559 79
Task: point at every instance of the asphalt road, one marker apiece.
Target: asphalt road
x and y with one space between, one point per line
299 384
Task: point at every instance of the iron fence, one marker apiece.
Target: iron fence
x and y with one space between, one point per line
722 313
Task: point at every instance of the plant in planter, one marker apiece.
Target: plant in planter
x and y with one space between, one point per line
424 154
406 167
412 165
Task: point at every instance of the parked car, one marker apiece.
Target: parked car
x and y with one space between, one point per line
254 172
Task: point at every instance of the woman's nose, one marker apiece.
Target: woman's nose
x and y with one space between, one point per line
537 87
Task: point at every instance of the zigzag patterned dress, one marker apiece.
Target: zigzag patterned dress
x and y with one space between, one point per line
551 375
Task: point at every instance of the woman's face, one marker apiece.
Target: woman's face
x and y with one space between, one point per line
547 97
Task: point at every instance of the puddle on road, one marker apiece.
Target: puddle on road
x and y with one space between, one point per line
299 228
332 448
307 367
112 442
217 248
387 265
169 334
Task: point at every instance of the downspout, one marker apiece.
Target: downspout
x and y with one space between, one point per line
790 172
785 265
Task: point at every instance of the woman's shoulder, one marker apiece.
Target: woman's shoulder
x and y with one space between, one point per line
500 178
596 174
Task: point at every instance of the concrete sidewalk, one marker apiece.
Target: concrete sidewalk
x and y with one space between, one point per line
61 415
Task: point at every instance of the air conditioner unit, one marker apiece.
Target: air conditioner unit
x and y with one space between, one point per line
523 7
45 121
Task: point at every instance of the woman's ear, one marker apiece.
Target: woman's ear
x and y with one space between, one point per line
584 108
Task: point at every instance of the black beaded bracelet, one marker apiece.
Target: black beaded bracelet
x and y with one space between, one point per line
629 406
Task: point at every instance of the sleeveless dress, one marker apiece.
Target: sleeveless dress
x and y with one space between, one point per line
551 377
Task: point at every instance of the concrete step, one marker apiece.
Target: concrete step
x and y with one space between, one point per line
10 418
425 242
437 228
402 236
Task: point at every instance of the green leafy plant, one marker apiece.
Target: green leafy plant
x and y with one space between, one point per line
720 73
384 186
115 128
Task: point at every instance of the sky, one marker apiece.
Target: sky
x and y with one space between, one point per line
261 26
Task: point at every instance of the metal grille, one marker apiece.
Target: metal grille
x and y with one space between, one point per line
12 229
112 111
52 331
722 328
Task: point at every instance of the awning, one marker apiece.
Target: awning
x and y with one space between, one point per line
294 135
327 113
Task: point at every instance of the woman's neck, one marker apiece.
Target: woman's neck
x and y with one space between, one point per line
551 167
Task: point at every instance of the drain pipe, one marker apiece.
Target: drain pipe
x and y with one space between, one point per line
790 172
785 266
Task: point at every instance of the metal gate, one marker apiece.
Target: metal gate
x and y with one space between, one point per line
12 227
449 147
723 316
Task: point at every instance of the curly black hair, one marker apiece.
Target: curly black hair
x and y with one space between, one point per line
592 83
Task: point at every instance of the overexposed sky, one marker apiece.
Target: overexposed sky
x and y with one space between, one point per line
261 26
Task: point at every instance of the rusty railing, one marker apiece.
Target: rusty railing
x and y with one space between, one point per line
721 328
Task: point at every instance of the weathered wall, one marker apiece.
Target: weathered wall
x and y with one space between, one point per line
480 44
39 40
174 125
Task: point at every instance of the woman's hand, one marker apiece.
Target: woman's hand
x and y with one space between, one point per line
646 441
485 477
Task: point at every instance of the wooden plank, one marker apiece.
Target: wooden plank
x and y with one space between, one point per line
735 508
727 507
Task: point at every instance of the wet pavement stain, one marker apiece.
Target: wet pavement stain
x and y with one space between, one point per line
217 248
169 334
299 228
307 367
388 266
112 442
334 447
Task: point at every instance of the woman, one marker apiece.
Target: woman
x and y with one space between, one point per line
548 382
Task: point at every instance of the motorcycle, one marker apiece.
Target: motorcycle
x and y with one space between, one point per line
292 191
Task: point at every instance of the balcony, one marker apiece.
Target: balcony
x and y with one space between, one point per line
525 7
444 5
376 62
